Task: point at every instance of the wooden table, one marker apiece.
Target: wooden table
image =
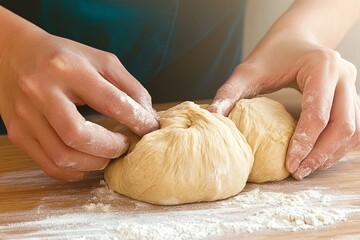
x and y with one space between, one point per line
33 205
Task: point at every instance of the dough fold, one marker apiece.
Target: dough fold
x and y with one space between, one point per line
195 156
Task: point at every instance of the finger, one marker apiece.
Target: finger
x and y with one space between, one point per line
22 138
83 135
67 157
239 85
112 102
113 71
62 155
354 142
315 114
69 125
336 135
33 148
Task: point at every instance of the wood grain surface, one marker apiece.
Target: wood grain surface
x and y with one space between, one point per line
27 195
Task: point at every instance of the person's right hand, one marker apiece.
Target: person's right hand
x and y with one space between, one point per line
43 78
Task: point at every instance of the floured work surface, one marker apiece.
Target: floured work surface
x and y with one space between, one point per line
326 204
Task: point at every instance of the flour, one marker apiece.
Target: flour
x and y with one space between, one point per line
97 207
139 112
253 210
221 105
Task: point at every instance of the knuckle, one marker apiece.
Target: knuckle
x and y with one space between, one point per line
62 160
328 56
72 134
111 59
61 61
29 83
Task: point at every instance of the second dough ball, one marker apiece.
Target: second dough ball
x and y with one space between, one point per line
267 127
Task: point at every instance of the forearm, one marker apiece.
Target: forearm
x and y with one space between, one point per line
11 25
325 22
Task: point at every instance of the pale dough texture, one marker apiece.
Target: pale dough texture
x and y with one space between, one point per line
199 156
267 127
195 156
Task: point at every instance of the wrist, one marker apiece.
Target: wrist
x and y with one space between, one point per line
11 26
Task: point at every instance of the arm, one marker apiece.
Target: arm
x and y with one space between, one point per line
325 22
42 79
298 50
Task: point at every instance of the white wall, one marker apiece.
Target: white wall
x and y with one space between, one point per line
261 14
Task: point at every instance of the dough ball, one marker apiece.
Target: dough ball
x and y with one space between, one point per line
195 156
267 127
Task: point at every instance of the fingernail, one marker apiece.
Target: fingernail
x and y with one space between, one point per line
67 164
303 172
103 167
78 177
147 120
220 106
293 164
148 107
297 151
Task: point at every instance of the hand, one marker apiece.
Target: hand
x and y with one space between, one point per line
43 78
329 123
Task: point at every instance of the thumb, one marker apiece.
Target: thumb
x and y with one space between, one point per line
244 82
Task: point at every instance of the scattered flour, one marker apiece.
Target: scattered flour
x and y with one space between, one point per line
221 105
97 206
251 211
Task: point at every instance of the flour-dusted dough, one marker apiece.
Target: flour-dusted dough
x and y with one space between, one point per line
267 127
195 156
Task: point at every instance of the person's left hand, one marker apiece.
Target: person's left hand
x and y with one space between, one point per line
329 123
